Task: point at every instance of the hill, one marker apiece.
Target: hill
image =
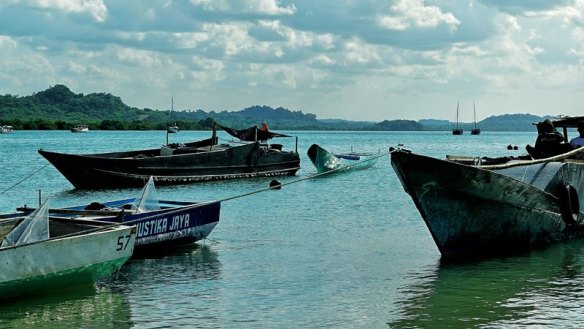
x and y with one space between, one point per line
59 108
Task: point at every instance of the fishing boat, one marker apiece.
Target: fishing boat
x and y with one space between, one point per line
178 163
6 129
325 161
457 130
475 129
477 207
161 224
40 254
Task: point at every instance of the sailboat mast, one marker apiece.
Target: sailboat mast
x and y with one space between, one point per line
457 115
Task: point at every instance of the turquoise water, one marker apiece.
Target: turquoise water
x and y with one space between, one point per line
347 250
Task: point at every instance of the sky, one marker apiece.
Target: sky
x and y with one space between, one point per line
345 59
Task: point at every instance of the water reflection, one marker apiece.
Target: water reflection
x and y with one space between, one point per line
85 307
541 289
179 288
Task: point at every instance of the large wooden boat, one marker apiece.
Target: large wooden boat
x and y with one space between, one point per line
477 207
325 161
161 224
202 160
38 257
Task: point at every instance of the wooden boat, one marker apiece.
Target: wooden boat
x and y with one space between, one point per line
198 161
41 253
458 130
161 224
475 129
325 161
477 207
79 129
6 129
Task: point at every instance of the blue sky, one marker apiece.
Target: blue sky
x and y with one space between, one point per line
350 59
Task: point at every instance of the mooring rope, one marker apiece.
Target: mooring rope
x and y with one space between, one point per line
25 178
202 204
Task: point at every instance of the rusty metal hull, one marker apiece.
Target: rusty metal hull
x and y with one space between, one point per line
473 212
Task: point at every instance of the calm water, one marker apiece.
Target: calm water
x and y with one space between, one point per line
342 251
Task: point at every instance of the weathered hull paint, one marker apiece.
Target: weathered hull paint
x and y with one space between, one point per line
473 212
64 262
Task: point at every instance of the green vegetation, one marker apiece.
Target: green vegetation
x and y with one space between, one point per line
59 108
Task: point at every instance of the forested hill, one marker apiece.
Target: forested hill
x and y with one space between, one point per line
59 108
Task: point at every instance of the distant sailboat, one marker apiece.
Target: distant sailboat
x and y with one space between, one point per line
475 130
173 128
457 130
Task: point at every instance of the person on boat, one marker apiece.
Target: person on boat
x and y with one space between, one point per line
578 141
549 142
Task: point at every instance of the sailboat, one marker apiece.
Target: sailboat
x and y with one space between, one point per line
173 128
457 130
475 130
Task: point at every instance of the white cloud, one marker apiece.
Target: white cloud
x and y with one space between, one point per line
414 13
95 8
266 7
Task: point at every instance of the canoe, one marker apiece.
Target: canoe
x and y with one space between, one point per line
326 161
161 224
197 161
483 207
73 253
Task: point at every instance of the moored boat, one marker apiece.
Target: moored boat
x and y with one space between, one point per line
6 129
42 254
161 224
326 161
180 163
475 207
80 129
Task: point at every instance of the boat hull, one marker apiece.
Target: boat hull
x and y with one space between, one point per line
126 169
176 224
65 262
473 212
325 161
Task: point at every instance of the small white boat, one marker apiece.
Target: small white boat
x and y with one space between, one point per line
79 129
6 129
172 129
325 161
39 254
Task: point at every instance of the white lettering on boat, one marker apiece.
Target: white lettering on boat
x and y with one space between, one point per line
158 226
155 226
179 222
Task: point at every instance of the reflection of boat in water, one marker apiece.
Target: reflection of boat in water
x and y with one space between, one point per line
71 308
325 161
544 287
476 207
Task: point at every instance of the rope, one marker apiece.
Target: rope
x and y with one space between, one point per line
25 178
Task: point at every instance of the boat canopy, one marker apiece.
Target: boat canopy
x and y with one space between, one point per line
249 134
35 227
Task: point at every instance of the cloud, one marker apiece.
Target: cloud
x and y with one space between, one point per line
414 13
94 8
